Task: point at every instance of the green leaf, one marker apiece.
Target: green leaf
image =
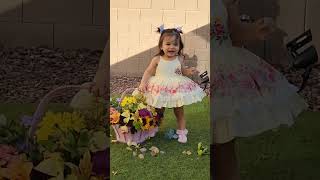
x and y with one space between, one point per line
52 166
49 145
85 165
99 141
71 139
3 121
199 145
84 138
74 169
72 177
137 125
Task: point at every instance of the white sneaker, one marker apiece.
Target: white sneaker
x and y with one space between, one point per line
182 135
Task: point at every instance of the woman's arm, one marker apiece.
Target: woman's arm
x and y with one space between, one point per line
100 79
240 31
184 70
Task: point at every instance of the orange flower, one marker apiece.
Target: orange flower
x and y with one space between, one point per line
114 116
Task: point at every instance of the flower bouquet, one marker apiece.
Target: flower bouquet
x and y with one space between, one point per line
68 144
132 119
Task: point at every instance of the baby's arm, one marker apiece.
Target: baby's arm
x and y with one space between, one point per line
240 31
185 70
150 71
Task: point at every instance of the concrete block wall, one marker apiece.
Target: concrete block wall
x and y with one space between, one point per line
133 40
54 23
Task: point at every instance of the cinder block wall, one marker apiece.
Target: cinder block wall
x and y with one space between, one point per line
133 39
53 23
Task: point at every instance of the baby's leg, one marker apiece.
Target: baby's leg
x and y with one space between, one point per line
181 131
161 110
179 113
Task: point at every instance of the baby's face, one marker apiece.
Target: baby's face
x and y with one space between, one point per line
170 46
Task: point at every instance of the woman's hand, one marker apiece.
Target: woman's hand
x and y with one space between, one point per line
231 2
190 71
261 29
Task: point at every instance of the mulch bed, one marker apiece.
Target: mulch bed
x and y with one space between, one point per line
27 74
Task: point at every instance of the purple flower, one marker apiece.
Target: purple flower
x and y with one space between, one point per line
101 161
118 100
21 146
26 120
144 113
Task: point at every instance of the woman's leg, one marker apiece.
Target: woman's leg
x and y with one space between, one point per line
224 163
179 113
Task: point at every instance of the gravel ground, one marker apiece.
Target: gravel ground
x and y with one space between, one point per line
27 74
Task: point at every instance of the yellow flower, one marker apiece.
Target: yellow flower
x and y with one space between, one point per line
152 110
141 106
64 120
147 126
128 100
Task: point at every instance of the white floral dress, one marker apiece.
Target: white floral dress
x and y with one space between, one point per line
169 88
249 96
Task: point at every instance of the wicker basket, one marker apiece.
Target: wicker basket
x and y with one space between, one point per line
98 167
137 137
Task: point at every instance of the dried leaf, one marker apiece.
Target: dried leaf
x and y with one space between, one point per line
143 150
141 156
154 151
114 173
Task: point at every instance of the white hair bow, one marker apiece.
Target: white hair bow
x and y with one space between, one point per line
161 28
179 28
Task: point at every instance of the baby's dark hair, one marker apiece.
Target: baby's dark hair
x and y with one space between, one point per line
169 32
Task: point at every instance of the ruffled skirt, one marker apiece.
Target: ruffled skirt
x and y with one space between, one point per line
249 96
173 91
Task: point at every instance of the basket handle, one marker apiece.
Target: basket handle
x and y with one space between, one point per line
37 116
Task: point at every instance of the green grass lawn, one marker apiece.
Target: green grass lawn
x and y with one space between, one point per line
173 164
287 154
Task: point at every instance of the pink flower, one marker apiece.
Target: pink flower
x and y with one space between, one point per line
6 150
232 77
7 153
